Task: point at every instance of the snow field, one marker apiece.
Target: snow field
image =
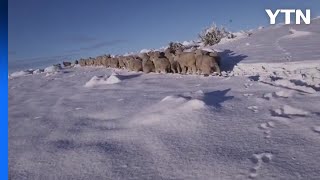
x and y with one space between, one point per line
259 121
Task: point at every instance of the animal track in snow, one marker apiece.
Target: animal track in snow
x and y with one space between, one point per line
247 85
287 55
259 160
288 111
268 96
266 128
316 129
281 94
253 108
247 94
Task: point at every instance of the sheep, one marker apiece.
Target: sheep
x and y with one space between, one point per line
98 61
161 63
207 62
86 62
109 59
89 61
175 66
147 64
95 62
216 55
133 63
186 60
173 46
126 60
122 64
137 64
114 62
104 60
82 62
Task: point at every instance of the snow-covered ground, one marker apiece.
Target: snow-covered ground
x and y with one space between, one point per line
260 120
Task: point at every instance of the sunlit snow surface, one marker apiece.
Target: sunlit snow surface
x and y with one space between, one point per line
256 121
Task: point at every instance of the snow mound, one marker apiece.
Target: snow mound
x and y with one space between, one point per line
130 54
173 113
52 69
287 110
38 71
97 81
294 34
190 44
21 73
145 50
174 99
194 95
183 103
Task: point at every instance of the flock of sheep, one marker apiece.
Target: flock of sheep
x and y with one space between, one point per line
195 61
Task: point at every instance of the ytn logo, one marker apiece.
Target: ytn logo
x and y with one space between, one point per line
288 12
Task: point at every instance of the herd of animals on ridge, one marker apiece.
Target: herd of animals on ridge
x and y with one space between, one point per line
171 60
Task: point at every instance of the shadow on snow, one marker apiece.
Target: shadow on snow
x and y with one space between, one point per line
229 59
216 98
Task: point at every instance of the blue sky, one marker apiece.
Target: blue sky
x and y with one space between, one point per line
46 31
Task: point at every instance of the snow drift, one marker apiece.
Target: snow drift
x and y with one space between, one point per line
98 81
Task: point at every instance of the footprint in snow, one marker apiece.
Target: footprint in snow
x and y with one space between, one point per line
266 128
247 85
247 94
258 160
255 109
278 94
268 96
